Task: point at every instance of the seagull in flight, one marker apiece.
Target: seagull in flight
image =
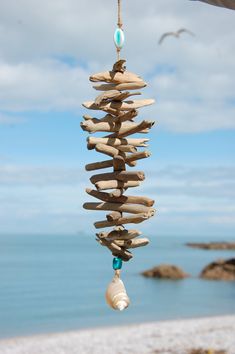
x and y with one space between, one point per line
175 34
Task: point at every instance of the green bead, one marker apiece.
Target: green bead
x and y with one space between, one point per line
117 263
119 38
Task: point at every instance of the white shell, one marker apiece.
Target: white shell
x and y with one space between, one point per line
116 295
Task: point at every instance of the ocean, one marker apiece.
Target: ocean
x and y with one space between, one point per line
54 283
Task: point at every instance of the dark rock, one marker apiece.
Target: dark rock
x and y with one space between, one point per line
165 271
213 245
220 270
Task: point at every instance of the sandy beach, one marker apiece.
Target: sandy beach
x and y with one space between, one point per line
167 337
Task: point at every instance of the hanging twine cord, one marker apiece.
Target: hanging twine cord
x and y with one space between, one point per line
119 15
119 25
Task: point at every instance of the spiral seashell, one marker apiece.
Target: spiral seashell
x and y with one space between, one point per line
116 295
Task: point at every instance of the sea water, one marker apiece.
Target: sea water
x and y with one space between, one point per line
53 283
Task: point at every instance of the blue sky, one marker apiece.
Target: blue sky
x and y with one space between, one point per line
44 70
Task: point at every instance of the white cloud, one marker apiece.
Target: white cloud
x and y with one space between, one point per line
196 95
40 176
221 220
10 119
44 85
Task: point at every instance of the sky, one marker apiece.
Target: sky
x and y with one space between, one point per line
48 50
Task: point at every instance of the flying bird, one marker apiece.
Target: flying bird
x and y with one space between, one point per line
175 34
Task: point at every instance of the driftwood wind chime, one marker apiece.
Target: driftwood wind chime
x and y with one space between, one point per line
119 122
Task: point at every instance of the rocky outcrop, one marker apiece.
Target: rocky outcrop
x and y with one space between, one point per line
220 270
165 271
212 245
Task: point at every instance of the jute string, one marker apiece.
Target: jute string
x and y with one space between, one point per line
119 25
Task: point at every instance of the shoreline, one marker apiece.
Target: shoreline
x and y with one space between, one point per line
167 336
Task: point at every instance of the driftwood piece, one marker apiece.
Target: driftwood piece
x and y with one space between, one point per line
107 150
121 129
132 219
119 234
122 253
124 199
133 128
87 117
119 66
124 86
126 94
124 176
106 96
127 148
119 106
99 165
119 163
132 243
122 208
137 156
116 77
116 193
115 215
129 115
105 164
107 118
129 159
92 141
114 184
114 95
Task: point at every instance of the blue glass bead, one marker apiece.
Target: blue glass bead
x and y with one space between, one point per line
117 263
119 38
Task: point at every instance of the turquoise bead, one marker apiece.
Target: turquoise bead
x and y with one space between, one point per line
119 38
117 263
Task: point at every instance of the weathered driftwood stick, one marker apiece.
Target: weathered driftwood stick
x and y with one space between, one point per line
127 148
137 156
129 115
105 164
121 129
121 87
116 193
107 118
121 198
123 208
107 150
119 163
115 215
108 95
99 165
124 176
87 117
108 244
120 106
140 242
114 95
119 228
92 141
116 77
124 95
132 219
122 253
133 128
119 234
120 64
113 184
